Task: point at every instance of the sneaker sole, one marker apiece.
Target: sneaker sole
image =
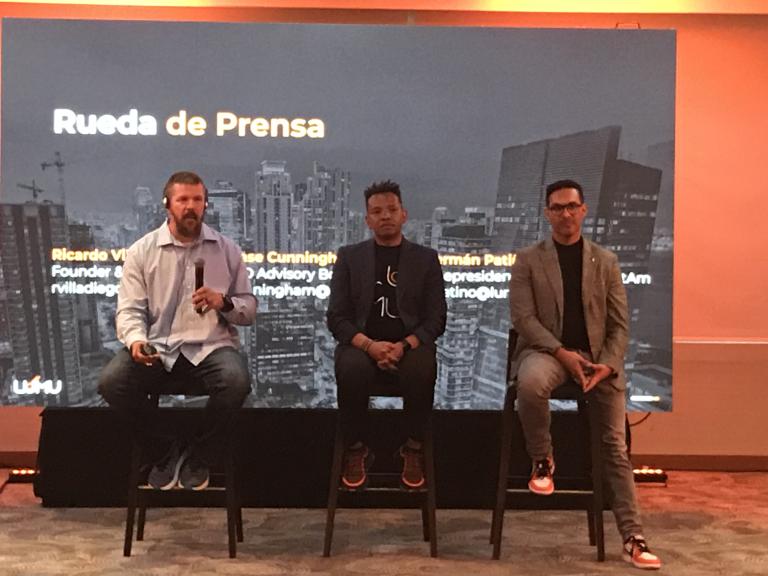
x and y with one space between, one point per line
202 486
351 487
627 558
175 478
415 487
540 492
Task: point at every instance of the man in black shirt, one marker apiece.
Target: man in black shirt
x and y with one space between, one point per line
387 308
569 308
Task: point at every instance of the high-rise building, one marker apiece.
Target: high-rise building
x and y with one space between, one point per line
433 229
327 221
42 324
273 207
457 347
479 215
491 359
588 157
627 216
282 353
232 209
148 210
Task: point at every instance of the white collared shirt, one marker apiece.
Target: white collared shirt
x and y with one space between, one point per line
154 303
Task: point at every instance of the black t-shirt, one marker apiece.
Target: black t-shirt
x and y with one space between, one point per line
384 321
574 327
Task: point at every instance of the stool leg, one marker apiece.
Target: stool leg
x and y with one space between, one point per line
591 526
429 461
142 518
597 477
233 534
239 519
505 453
133 483
333 488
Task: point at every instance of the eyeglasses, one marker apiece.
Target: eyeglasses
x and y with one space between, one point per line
571 207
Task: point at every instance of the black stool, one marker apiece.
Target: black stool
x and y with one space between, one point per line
385 482
586 492
139 496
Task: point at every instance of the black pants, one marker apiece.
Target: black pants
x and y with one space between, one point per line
356 373
222 376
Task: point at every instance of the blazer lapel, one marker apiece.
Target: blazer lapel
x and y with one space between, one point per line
588 265
368 276
404 265
552 270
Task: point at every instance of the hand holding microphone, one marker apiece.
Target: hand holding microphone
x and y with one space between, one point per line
205 298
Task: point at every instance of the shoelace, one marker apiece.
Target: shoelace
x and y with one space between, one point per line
637 544
542 469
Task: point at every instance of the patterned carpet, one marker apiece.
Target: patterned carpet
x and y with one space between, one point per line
702 523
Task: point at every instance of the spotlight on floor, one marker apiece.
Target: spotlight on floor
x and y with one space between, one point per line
21 475
648 475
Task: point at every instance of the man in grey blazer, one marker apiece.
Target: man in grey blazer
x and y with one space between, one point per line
387 308
569 308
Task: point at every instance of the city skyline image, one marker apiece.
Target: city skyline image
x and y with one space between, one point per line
473 123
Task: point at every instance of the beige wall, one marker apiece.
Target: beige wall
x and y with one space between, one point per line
721 264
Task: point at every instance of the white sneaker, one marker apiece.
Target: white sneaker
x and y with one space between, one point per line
636 551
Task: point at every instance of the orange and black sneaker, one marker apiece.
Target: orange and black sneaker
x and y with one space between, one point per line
637 552
542 482
355 466
412 477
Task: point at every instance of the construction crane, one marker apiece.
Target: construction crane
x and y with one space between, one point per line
59 164
36 191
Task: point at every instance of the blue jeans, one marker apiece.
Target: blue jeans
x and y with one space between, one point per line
222 376
537 376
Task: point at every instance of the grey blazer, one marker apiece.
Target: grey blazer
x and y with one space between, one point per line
536 303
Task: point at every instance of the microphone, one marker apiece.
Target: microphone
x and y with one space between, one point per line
199 274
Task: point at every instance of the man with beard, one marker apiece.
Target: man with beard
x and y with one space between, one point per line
184 287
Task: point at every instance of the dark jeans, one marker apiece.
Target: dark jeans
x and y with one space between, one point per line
356 373
222 376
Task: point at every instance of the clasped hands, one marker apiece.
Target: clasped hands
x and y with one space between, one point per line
386 354
587 374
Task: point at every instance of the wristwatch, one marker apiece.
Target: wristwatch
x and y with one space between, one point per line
406 345
228 304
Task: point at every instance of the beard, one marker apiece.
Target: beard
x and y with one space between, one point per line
189 225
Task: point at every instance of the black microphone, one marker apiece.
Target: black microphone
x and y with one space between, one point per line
199 274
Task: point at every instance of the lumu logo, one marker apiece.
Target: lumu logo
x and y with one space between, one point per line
36 385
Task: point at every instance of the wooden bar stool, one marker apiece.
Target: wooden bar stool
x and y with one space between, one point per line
585 492
140 494
380 483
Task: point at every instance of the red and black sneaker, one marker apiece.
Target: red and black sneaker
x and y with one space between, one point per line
354 472
637 552
412 477
541 481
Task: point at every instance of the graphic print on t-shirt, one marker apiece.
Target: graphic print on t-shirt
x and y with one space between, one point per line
384 321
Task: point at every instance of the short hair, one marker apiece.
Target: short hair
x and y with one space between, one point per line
383 187
560 184
183 177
